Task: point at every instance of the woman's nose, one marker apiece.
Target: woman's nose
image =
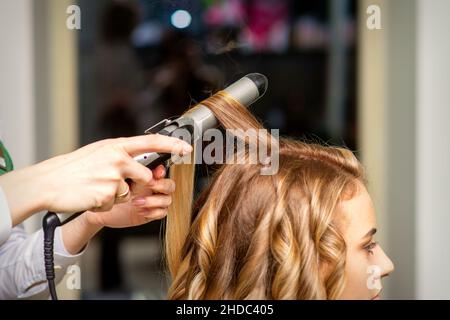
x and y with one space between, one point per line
387 266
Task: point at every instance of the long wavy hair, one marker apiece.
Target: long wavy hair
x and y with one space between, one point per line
253 236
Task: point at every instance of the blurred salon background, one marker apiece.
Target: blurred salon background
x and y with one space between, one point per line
370 75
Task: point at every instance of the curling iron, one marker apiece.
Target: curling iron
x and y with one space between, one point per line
246 91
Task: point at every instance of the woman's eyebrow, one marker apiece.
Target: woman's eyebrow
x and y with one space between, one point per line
370 233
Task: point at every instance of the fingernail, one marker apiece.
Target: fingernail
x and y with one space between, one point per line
139 201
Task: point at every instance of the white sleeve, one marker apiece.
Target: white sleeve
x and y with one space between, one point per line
5 218
22 271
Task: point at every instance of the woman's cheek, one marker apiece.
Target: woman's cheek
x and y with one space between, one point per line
357 277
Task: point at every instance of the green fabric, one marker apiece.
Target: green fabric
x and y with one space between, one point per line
6 164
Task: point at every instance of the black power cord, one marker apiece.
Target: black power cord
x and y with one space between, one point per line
49 224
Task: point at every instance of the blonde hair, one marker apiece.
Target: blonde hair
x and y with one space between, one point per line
253 236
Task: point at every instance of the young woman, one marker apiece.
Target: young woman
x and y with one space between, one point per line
305 232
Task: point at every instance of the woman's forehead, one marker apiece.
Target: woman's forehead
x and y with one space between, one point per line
356 216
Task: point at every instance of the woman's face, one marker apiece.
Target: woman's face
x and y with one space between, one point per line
366 262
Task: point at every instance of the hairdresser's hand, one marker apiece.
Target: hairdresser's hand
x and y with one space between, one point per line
77 233
88 178
148 203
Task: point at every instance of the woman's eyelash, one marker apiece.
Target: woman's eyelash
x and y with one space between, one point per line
370 246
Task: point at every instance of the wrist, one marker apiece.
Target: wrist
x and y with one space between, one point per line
25 192
44 188
91 228
77 233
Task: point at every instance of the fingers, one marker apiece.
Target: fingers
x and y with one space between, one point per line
141 174
155 143
159 172
123 193
146 177
153 201
153 207
89 148
136 172
164 186
155 214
